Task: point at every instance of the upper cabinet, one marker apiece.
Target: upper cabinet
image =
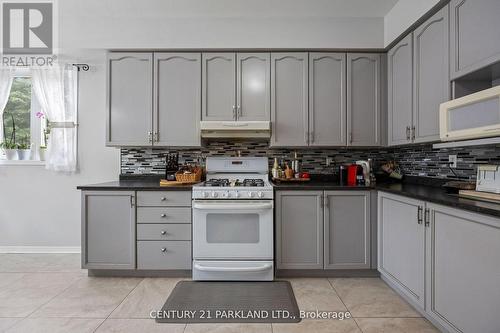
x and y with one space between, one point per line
400 91
236 86
177 99
219 86
130 99
475 37
154 99
253 86
418 82
289 99
363 99
327 99
431 75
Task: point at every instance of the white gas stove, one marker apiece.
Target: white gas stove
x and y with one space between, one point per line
233 221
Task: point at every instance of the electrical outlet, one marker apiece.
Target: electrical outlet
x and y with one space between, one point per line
453 161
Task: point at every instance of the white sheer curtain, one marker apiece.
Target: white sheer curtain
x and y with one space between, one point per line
6 78
55 88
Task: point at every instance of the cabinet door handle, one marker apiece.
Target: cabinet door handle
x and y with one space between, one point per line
150 136
408 133
311 137
413 133
350 137
163 215
321 201
132 201
163 198
419 215
155 137
239 113
163 249
427 217
327 204
234 112
163 232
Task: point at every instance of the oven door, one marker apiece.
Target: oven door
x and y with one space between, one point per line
233 229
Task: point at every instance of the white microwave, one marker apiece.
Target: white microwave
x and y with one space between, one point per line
471 117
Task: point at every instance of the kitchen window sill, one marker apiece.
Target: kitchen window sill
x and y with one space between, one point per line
21 163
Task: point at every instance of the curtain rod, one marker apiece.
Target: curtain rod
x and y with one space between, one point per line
83 67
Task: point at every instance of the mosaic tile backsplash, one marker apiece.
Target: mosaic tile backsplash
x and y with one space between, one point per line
419 160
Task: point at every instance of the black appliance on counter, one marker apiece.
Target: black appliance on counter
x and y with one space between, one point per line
171 165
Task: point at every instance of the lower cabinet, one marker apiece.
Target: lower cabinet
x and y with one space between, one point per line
401 244
443 260
108 230
323 229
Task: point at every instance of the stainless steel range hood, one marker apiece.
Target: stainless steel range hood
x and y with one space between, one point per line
235 129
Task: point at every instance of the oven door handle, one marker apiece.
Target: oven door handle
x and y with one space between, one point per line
233 269
259 206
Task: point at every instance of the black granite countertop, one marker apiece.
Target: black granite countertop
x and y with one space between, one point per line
133 185
318 185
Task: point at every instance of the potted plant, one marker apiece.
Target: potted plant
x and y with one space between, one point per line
24 150
10 150
9 146
41 153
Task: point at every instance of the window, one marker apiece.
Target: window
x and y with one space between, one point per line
24 123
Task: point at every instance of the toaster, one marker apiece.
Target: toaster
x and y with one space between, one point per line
488 178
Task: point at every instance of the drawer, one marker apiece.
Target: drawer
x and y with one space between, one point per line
163 215
163 255
164 198
163 232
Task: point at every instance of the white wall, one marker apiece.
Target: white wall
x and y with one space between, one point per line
403 15
41 208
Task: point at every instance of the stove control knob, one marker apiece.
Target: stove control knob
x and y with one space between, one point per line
204 194
250 194
225 194
237 194
260 195
214 194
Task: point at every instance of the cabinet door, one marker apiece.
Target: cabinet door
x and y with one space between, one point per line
177 99
475 41
289 99
253 86
462 270
108 230
219 86
347 229
299 229
431 75
327 99
363 99
400 91
401 244
130 97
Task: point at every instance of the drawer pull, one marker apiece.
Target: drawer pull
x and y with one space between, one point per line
163 198
163 232
163 249
163 215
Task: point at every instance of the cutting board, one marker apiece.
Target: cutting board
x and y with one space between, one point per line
164 182
485 196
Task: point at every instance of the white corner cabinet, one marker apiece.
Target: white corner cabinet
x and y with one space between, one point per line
443 260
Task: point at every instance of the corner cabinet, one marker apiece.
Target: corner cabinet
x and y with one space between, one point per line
108 230
289 99
177 99
154 99
475 41
129 99
363 99
327 99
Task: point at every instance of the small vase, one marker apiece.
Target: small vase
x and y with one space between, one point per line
24 154
11 154
41 154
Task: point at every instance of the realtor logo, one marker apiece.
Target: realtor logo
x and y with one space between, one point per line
27 27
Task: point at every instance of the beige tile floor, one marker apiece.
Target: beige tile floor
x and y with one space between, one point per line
50 293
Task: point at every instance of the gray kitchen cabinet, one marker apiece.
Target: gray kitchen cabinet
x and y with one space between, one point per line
129 99
401 244
363 99
475 41
177 99
327 99
400 92
289 99
253 86
108 230
218 86
347 230
299 229
463 251
159 255
431 75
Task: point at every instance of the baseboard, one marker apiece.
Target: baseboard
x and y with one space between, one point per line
39 249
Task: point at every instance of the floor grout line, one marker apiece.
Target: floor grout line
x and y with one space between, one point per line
336 292
116 307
